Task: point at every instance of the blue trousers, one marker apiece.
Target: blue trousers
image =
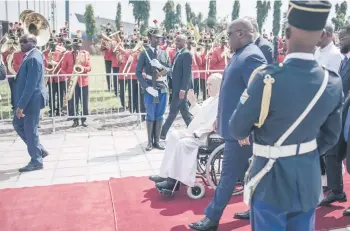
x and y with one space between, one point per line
155 111
234 165
27 129
265 217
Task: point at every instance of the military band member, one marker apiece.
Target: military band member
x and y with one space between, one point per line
107 49
57 85
115 58
288 140
219 58
196 64
153 60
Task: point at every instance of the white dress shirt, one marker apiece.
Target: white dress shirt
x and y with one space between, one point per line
329 57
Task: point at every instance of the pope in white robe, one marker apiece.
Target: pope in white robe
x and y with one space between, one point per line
180 157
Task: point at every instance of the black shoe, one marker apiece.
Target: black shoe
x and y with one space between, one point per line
156 178
168 184
157 131
31 167
242 216
84 124
346 212
149 125
44 153
75 124
205 225
333 197
325 189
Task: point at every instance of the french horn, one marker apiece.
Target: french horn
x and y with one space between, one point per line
37 25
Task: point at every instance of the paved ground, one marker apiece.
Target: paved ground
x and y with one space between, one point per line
79 157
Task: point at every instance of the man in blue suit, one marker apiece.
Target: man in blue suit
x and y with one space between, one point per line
29 98
246 59
294 112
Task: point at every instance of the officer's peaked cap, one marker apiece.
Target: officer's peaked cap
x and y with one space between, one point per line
308 15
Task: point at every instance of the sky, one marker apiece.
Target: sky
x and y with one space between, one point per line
107 9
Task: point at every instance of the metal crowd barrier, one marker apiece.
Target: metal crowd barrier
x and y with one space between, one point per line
122 97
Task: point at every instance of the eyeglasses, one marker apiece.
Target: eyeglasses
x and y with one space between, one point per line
231 32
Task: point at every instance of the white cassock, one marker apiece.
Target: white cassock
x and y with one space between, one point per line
331 58
180 158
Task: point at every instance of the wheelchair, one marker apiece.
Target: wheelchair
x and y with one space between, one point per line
209 163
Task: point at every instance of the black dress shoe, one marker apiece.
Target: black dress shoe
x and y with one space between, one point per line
157 145
84 124
333 197
168 184
75 124
346 212
205 225
31 167
156 178
44 153
242 216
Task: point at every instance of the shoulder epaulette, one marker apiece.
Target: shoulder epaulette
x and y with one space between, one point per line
269 69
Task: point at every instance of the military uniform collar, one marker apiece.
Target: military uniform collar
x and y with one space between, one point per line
300 55
242 48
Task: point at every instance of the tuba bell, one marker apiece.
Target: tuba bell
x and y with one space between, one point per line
4 43
37 25
23 15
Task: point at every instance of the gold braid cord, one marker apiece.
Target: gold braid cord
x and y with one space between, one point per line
252 76
266 98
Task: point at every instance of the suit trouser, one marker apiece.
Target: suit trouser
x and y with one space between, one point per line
56 89
263 216
108 65
334 171
10 81
176 106
27 129
81 96
155 111
234 165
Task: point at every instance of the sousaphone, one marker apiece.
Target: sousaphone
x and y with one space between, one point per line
3 43
23 15
37 25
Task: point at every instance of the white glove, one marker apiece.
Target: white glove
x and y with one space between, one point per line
153 92
156 63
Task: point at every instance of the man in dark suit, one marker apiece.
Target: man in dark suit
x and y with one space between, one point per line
245 60
264 44
181 82
29 98
2 72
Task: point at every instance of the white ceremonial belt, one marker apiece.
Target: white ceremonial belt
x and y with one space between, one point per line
159 79
275 152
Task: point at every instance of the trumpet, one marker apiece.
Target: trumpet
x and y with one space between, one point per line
52 66
127 66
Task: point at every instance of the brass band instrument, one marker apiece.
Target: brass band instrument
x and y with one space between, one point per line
78 69
37 25
50 63
23 15
54 66
128 64
9 62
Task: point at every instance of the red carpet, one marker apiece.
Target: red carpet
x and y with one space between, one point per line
71 207
138 207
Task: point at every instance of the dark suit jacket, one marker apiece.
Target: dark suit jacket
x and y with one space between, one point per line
182 72
29 87
2 70
345 75
266 48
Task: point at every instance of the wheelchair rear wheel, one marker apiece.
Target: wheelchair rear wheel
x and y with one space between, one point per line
214 167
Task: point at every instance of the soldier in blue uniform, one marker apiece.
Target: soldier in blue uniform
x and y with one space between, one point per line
294 112
246 59
152 58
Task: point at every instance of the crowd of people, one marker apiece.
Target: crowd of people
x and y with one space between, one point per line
285 124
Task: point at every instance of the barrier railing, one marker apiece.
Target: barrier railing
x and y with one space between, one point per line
92 97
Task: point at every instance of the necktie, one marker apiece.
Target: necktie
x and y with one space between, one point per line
345 61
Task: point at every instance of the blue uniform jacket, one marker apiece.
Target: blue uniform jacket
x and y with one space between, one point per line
266 48
293 181
234 82
29 89
143 65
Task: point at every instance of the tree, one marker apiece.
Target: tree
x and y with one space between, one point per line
170 15
178 14
262 10
140 12
276 18
90 23
188 12
118 17
339 20
284 23
235 10
211 22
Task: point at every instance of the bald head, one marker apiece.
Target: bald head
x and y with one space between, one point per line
240 33
301 40
27 42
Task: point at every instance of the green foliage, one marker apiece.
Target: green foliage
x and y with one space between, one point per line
276 26
118 17
140 12
178 13
170 15
90 23
188 10
235 10
262 11
339 20
211 22
284 23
